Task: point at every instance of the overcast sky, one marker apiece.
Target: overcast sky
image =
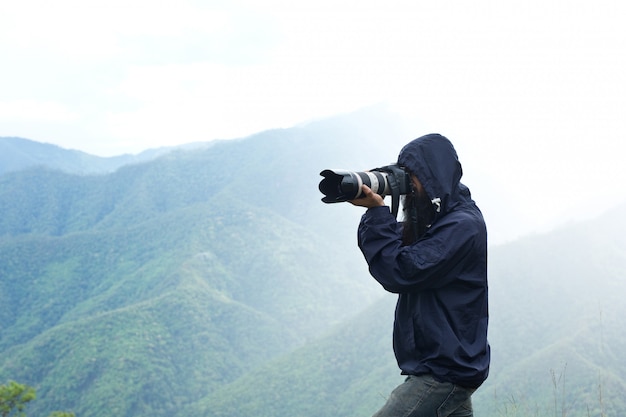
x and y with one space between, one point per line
537 86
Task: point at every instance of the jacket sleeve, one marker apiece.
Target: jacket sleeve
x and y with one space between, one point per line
428 263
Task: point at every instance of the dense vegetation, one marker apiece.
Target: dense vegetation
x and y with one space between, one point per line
15 397
212 282
556 334
17 154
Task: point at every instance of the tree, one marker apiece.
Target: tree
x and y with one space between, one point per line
14 397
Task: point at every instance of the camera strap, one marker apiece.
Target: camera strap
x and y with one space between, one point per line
395 195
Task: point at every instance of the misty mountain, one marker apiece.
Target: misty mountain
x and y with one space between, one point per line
371 137
204 262
555 330
212 281
17 154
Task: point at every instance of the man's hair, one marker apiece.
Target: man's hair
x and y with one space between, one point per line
418 214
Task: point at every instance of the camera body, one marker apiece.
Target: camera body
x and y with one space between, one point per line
340 185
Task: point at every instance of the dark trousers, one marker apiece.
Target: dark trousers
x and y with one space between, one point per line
423 396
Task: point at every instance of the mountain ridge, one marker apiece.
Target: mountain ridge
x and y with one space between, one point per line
18 154
529 370
174 286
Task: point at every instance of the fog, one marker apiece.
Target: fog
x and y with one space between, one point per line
532 94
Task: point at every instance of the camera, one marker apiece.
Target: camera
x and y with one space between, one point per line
339 185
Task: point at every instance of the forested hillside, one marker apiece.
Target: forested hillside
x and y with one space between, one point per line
17 154
143 290
557 320
556 332
213 282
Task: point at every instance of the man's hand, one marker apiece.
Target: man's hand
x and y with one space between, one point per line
370 199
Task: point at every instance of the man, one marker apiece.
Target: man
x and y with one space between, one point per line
436 261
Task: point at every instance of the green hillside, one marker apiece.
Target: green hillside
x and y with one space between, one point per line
556 334
159 303
141 291
347 373
213 282
557 310
17 154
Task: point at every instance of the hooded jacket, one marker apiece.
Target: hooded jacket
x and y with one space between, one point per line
441 316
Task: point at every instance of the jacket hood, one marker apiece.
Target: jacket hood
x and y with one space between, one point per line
434 161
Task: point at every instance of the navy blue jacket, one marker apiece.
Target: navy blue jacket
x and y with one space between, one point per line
441 315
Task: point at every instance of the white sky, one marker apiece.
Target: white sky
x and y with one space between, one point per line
536 89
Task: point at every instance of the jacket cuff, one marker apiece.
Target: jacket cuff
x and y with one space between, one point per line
380 212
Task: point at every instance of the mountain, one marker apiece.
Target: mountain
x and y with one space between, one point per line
17 154
556 332
144 289
213 282
557 310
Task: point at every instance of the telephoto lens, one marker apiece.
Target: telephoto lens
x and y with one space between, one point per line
339 186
